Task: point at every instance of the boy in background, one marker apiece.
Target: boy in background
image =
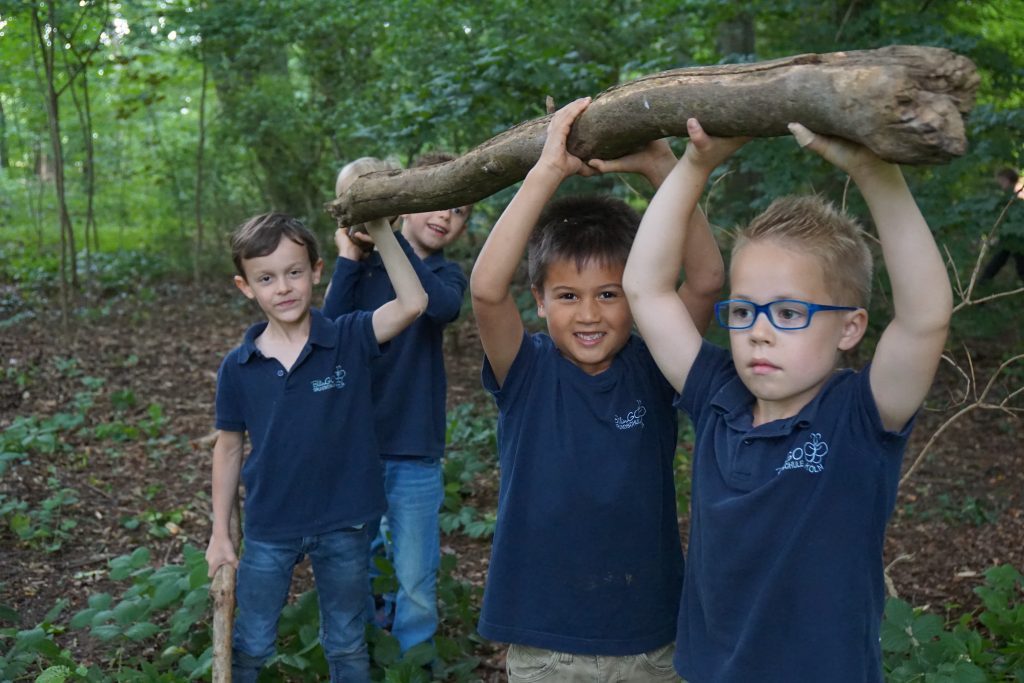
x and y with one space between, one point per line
586 564
796 463
299 385
409 392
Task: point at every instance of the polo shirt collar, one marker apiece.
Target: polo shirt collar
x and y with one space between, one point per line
249 349
735 402
320 333
435 259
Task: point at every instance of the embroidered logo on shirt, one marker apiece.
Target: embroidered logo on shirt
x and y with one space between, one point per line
633 418
807 457
335 381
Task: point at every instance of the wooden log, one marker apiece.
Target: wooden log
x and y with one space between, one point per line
906 103
222 590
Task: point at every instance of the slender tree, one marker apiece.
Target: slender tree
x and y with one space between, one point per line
79 72
200 146
46 43
4 158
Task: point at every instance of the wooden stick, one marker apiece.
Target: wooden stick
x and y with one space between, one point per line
222 589
906 103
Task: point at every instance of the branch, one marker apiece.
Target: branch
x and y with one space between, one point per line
981 402
906 103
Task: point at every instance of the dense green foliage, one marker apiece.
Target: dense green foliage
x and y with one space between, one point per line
294 89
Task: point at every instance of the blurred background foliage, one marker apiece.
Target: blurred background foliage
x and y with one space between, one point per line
178 118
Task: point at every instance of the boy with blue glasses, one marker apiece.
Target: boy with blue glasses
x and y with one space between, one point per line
796 463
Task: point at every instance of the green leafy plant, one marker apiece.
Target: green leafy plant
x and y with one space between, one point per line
472 444
918 646
21 651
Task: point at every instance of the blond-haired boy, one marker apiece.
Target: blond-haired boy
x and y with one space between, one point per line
796 463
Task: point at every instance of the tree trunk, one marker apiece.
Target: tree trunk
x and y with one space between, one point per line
68 264
906 103
197 254
4 159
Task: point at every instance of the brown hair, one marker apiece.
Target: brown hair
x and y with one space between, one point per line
260 235
584 229
814 225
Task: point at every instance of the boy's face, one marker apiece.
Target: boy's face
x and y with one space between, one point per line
432 231
785 369
587 313
281 282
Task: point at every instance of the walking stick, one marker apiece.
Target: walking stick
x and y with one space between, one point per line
222 588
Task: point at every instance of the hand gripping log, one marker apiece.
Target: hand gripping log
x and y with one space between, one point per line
906 103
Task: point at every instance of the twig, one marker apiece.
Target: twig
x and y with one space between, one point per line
95 559
890 585
980 403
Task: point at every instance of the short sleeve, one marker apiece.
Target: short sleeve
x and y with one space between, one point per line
356 329
516 379
705 378
229 410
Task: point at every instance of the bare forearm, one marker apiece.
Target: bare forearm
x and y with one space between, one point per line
500 256
922 296
409 292
705 270
657 253
227 463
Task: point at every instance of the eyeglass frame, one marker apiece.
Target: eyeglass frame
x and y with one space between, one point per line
812 308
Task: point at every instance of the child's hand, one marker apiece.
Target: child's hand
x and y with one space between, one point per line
352 245
555 156
847 156
654 161
707 152
220 552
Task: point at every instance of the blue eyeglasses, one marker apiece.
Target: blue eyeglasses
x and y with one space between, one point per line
783 314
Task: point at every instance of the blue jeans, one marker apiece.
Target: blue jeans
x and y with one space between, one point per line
339 561
411 537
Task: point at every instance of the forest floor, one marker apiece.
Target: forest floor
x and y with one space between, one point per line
960 512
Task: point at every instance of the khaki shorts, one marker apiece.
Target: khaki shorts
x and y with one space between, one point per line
528 664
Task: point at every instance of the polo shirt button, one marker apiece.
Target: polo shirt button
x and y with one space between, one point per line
280 373
746 442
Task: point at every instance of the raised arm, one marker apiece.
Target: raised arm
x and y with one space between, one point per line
667 326
908 352
705 271
340 295
702 260
227 463
410 300
497 316
445 288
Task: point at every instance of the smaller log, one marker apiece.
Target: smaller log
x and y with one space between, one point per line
222 590
905 103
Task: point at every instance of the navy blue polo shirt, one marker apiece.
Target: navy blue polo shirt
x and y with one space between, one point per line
409 380
586 556
313 466
784 576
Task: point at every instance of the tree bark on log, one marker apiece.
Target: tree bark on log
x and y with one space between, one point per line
222 590
905 103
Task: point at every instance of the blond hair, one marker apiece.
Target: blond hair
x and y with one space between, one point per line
361 166
813 225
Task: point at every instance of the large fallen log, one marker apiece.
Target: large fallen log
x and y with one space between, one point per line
906 103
